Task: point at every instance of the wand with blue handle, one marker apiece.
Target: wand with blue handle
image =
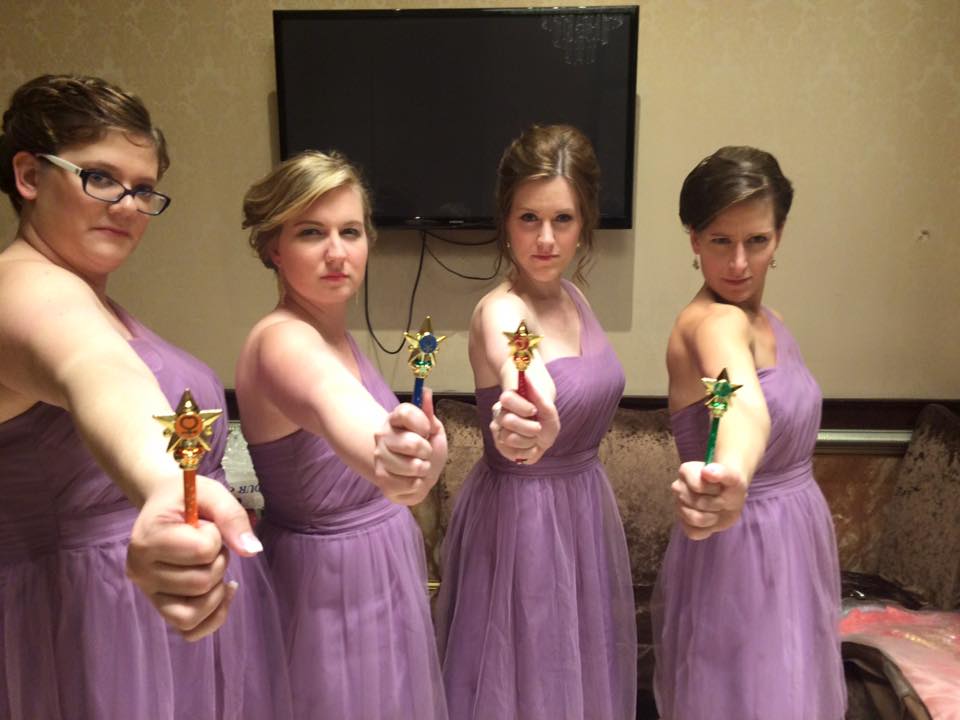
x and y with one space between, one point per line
423 356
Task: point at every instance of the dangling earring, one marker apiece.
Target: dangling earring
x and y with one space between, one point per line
773 262
696 263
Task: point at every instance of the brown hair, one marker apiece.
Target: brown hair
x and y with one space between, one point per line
548 151
730 176
52 112
291 188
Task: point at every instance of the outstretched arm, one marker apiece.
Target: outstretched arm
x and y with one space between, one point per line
523 429
710 498
402 452
58 345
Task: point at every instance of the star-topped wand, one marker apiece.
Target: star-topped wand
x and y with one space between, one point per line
719 396
522 344
423 356
189 428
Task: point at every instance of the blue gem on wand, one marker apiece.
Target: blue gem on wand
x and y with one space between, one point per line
423 356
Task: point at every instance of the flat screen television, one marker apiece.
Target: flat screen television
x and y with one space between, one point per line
425 101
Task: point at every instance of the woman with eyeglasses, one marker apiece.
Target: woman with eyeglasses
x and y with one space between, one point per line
89 494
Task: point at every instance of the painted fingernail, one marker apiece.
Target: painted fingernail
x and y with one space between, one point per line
250 543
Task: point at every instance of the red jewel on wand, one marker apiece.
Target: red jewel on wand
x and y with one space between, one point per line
522 344
189 429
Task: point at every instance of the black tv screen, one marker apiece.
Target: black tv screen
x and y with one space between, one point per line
425 101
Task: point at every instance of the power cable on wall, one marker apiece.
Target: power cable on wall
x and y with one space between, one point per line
424 249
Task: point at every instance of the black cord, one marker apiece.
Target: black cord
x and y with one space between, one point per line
424 248
491 276
413 295
496 270
458 242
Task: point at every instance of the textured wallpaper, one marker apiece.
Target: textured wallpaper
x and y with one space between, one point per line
860 101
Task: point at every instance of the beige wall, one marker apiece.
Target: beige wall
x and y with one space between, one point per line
859 100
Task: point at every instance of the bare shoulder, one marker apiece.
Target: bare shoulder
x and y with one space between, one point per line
498 309
701 319
280 337
35 278
37 291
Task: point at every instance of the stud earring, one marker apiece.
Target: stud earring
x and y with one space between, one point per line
696 263
773 262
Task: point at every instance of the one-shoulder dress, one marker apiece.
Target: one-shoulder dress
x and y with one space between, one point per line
536 612
746 621
79 639
351 579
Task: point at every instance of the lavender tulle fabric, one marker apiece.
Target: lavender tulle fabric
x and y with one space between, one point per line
536 614
79 640
746 622
351 579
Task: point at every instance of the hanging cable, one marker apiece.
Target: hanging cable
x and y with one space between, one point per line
496 269
413 295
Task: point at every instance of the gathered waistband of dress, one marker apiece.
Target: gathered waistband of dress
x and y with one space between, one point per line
340 521
791 478
548 465
34 537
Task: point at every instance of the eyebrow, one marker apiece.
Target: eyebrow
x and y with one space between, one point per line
751 233
317 223
569 211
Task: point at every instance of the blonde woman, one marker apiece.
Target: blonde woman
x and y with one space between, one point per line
339 460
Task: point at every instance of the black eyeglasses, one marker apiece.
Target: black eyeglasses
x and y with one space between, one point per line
101 186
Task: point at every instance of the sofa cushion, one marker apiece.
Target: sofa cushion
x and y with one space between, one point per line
920 547
641 462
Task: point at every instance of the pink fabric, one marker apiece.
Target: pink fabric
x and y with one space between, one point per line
924 645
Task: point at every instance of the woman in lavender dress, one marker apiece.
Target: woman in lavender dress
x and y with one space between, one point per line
747 602
338 460
80 452
536 615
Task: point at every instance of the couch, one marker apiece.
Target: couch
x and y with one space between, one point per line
897 518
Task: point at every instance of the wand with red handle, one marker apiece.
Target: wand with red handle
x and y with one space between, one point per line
522 344
189 429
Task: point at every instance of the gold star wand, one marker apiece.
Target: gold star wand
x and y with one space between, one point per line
719 397
188 429
522 344
423 356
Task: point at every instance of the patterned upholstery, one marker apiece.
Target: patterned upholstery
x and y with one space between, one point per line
920 544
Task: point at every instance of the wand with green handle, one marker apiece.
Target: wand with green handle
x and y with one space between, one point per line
719 396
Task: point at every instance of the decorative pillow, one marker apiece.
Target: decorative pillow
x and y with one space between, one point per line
920 548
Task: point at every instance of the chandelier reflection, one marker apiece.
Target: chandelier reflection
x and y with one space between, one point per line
581 35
